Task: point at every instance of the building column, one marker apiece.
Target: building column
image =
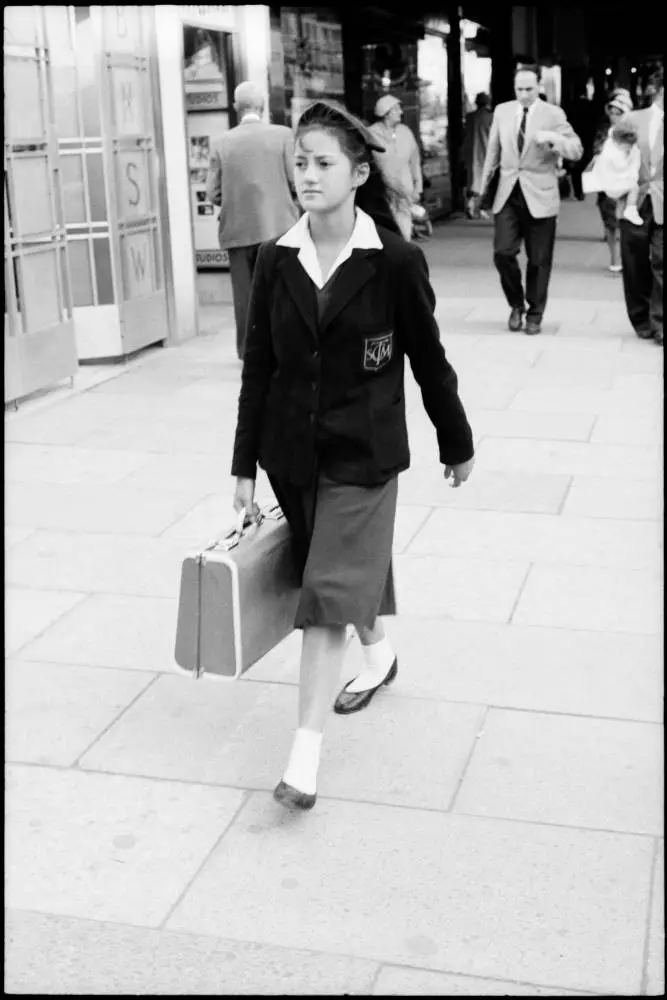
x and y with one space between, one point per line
455 107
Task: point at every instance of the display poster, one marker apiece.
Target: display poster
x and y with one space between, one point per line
206 101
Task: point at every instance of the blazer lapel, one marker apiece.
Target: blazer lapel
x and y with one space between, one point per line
300 288
348 281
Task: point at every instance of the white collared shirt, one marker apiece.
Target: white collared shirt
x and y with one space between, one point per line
364 237
657 115
251 117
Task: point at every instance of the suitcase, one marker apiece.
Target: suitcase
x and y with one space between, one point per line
238 598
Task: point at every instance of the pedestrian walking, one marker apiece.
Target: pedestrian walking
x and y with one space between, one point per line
528 140
399 161
475 144
619 105
641 246
338 302
251 178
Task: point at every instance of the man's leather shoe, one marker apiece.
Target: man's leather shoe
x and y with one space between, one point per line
645 334
515 321
348 702
657 336
292 798
533 326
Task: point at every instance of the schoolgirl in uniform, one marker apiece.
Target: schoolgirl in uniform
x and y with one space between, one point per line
337 303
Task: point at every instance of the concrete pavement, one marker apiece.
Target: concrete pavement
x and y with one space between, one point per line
491 825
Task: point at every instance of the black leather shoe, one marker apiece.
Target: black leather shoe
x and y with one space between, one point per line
645 334
515 321
657 336
533 326
353 701
292 798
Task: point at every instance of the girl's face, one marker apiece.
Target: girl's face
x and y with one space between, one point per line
324 175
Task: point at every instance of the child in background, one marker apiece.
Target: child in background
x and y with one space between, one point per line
615 171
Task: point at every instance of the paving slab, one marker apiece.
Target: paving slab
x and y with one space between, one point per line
575 541
112 509
169 472
63 955
14 533
207 732
55 711
595 773
537 669
581 597
655 966
540 493
577 399
463 589
611 428
107 847
120 564
517 423
108 630
568 458
172 436
636 499
395 981
492 898
30 612
38 463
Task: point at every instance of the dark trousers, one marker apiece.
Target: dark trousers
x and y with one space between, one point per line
241 268
641 254
512 224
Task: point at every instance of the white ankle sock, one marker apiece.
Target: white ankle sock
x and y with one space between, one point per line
378 659
304 760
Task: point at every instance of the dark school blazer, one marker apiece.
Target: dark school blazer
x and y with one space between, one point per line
337 383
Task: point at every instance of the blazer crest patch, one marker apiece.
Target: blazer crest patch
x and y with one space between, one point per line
378 351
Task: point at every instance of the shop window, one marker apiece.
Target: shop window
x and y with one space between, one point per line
33 213
313 64
41 306
433 123
98 200
80 272
103 273
71 178
23 99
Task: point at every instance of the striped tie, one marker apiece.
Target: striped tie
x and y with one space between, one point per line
521 138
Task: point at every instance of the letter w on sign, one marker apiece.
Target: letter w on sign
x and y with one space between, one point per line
378 351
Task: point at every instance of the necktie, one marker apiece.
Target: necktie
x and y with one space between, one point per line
521 138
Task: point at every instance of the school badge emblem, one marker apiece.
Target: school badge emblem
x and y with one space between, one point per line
378 351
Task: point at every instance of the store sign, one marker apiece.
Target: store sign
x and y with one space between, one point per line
133 187
209 100
127 101
138 265
211 15
212 258
122 31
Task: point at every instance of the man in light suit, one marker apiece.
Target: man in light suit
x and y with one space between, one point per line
528 140
251 177
641 246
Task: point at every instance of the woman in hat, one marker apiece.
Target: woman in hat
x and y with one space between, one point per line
399 162
618 105
337 304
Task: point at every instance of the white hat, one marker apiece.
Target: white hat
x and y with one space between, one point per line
385 104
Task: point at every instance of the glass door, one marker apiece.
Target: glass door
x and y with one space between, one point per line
40 347
131 172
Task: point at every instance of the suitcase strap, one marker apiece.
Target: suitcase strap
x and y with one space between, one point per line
230 541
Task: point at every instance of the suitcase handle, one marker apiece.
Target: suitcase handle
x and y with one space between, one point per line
243 530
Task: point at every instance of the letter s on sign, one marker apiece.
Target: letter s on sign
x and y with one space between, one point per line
131 169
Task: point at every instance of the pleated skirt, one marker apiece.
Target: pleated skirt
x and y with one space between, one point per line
342 537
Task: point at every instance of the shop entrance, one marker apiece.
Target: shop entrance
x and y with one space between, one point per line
208 82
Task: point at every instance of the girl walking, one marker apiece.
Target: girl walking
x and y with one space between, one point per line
337 303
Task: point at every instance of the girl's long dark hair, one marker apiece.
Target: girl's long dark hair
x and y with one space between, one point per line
376 196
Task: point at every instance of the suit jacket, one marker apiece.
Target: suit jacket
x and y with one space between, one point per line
652 168
333 388
536 168
251 177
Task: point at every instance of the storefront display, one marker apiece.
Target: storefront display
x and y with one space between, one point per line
433 122
312 58
207 101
